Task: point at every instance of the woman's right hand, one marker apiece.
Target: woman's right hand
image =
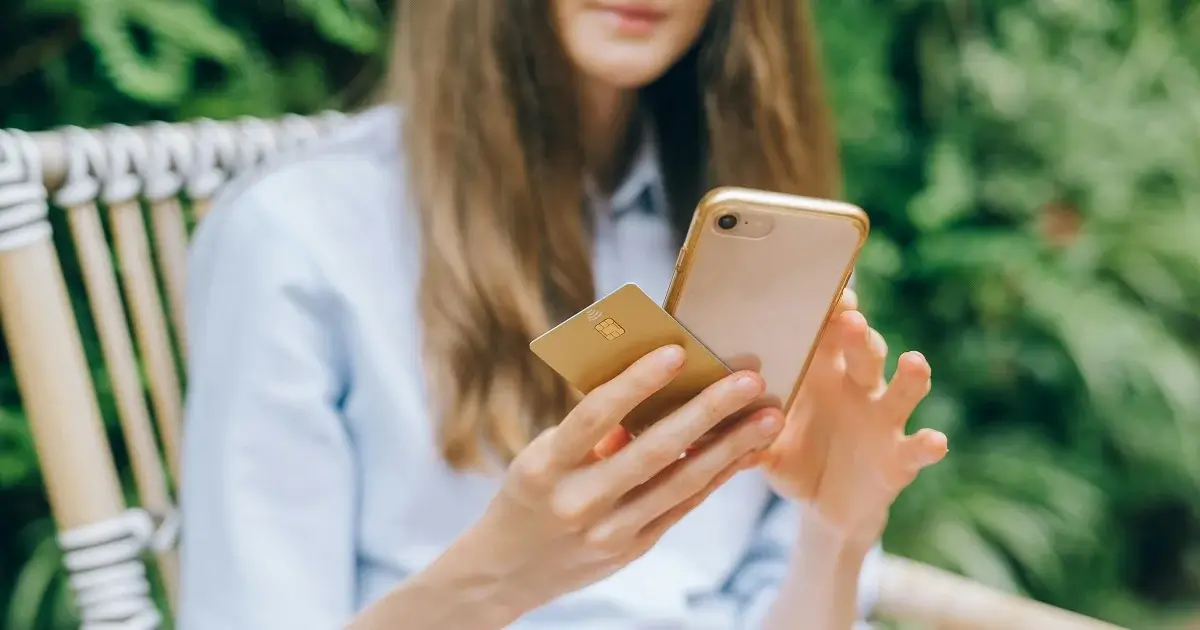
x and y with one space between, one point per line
567 516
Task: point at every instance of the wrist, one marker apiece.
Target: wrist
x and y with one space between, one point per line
472 603
458 590
821 590
468 571
821 539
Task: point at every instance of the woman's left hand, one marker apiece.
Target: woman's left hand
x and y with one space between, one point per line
843 449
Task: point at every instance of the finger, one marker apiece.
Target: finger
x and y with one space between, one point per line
659 526
616 440
828 362
691 475
910 384
848 300
604 408
924 448
865 349
802 448
663 443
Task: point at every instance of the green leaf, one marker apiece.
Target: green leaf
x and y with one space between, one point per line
189 26
950 194
36 584
160 78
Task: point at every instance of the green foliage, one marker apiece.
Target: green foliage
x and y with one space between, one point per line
1031 171
87 62
1032 174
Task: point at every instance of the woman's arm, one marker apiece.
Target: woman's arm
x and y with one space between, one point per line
268 485
845 453
821 590
456 591
790 577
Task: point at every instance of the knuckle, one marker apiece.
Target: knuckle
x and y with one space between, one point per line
533 470
726 451
641 381
914 386
662 453
906 476
543 437
710 407
606 537
878 340
694 480
571 509
642 385
592 410
692 502
719 402
747 437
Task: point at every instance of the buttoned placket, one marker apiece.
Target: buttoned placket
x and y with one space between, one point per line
633 241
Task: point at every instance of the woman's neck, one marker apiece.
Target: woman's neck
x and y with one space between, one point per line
609 137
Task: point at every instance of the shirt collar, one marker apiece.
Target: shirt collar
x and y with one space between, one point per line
642 190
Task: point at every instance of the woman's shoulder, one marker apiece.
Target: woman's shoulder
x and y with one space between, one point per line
341 195
347 183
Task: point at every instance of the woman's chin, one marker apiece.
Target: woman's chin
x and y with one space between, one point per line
625 74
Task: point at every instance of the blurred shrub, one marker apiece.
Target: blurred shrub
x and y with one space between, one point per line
1032 170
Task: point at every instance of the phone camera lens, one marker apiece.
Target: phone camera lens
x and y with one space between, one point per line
727 221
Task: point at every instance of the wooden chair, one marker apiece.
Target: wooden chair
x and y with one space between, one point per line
139 177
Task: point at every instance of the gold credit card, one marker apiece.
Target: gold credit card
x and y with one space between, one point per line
601 341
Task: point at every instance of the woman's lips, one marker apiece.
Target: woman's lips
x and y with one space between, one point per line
632 19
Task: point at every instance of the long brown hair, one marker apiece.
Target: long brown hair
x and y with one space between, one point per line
491 133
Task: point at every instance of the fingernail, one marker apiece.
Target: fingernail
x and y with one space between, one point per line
671 357
770 425
746 381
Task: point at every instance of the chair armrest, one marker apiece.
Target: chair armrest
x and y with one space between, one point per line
938 599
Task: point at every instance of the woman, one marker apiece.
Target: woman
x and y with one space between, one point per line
370 440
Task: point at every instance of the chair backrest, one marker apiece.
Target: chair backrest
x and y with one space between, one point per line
132 195
111 184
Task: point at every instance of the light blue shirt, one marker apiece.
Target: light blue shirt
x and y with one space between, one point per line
312 480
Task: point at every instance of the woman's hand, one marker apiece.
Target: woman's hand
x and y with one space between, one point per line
574 508
844 449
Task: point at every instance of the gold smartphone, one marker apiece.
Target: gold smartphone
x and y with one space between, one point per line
600 342
759 276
